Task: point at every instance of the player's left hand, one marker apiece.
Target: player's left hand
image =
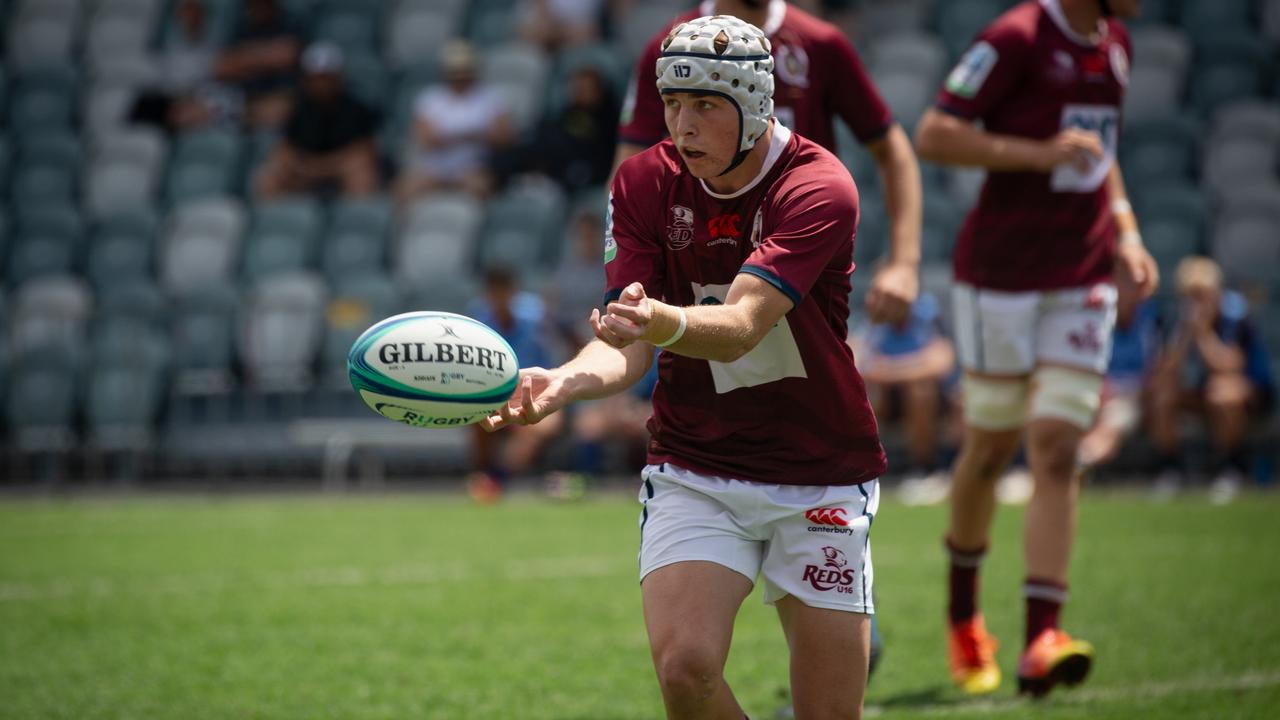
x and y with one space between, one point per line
626 319
893 289
1137 265
539 393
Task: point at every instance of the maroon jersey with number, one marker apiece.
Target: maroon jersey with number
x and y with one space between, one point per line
1028 74
816 75
793 410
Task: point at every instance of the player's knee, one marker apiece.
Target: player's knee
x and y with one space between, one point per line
1054 454
991 404
689 673
1072 396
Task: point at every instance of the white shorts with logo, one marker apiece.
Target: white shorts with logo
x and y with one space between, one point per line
1010 333
810 541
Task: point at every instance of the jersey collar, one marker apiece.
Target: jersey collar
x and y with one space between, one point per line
1054 9
773 21
781 136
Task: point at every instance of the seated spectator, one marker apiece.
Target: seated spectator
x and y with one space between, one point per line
557 24
1214 367
328 140
262 61
520 317
188 96
456 128
577 287
576 146
1135 348
905 367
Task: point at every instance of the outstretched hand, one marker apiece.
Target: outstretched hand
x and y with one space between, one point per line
539 393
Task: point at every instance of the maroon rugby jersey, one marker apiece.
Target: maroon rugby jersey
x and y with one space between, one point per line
794 410
1028 74
816 75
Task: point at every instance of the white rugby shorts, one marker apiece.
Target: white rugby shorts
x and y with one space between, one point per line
810 541
1010 333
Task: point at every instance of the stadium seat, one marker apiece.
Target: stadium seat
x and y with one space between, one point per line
1155 92
293 216
201 247
191 181
521 227
212 146
49 311
941 220
1156 12
1250 200
1247 245
42 100
282 330
115 187
907 93
37 184
870 239
1227 68
107 108
415 33
1232 164
220 217
1271 20
1160 149
449 296
367 79
348 27
357 238
445 212
40 40
642 22
427 256
520 73
124 340
1254 119
203 340
53 147
115 33
1215 16
964 185
38 256
268 253
121 406
51 220
118 259
491 22
41 404
1173 220
881 18
358 301
917 53
601 58
1163 46
140 301
125 71
959 21
142 223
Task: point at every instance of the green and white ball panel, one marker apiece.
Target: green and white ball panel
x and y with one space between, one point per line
433 369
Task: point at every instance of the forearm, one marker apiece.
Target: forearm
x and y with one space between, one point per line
1217 355
1121 210
599 370
949 140
900 178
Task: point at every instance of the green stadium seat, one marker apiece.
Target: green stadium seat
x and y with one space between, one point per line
522 226
1173 219
51 220
353 28
367 78
213 147
292 216
40 41
190 181
123 340
1226 69
359 300
282 329
112 188
959 21
1214 16
491 23
53 147
43 99
39 256
1157 12
43 184
415 33
119 259
1160 149
203 340
357 237
40 407
268 253
140 301
122 405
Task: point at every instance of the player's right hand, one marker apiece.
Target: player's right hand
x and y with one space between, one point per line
1073 146
539 393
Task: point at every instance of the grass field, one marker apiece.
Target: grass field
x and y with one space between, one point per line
424 606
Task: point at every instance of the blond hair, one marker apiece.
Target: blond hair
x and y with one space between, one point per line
1198 272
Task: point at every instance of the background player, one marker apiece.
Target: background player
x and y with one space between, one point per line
1033 297
761 422
817 76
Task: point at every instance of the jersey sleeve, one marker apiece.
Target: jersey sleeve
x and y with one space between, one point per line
987 73
642 121
814 222
632 243
854 97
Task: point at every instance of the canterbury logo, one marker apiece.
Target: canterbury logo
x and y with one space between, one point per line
828 516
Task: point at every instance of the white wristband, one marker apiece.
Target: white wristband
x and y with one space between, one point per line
1121 206
1130 237
679 333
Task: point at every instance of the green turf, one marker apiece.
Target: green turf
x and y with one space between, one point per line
423 606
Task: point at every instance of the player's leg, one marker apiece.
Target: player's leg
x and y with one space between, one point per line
1226 403
993 339
829 659
1073 346
689 609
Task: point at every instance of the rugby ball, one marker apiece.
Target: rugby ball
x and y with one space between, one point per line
433 369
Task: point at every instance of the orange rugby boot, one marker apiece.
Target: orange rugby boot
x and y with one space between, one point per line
1053 658
973 657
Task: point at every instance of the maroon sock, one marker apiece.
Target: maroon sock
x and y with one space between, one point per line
962 582
1044 603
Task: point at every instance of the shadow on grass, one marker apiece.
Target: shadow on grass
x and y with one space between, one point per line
936 695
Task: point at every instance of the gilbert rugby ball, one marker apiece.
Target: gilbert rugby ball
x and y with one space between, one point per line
433 369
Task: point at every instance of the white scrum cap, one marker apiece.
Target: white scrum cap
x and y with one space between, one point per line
722 55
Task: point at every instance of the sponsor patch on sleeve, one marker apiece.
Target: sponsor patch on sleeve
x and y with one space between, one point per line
610 245
971 72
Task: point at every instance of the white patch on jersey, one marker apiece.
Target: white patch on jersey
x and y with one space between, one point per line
1120 64
610 245
1103 120
680 231
972 70
629 103
791 63
776 357
756 228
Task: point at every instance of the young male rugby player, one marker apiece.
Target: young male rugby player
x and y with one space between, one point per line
730 246
1033 298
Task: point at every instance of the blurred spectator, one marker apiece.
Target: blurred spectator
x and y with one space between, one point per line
1215 367
557 24
262 60
576 146
328 140
1135 349
188 96
520 317
577 287
456 127
905 366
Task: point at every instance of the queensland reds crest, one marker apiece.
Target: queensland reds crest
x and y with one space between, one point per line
680 231
832 575
791 63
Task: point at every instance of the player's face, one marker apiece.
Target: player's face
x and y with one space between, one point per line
705 131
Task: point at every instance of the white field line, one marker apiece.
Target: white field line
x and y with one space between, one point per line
333 577
1147 691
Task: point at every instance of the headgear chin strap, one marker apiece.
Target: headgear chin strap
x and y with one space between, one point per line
1106 7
